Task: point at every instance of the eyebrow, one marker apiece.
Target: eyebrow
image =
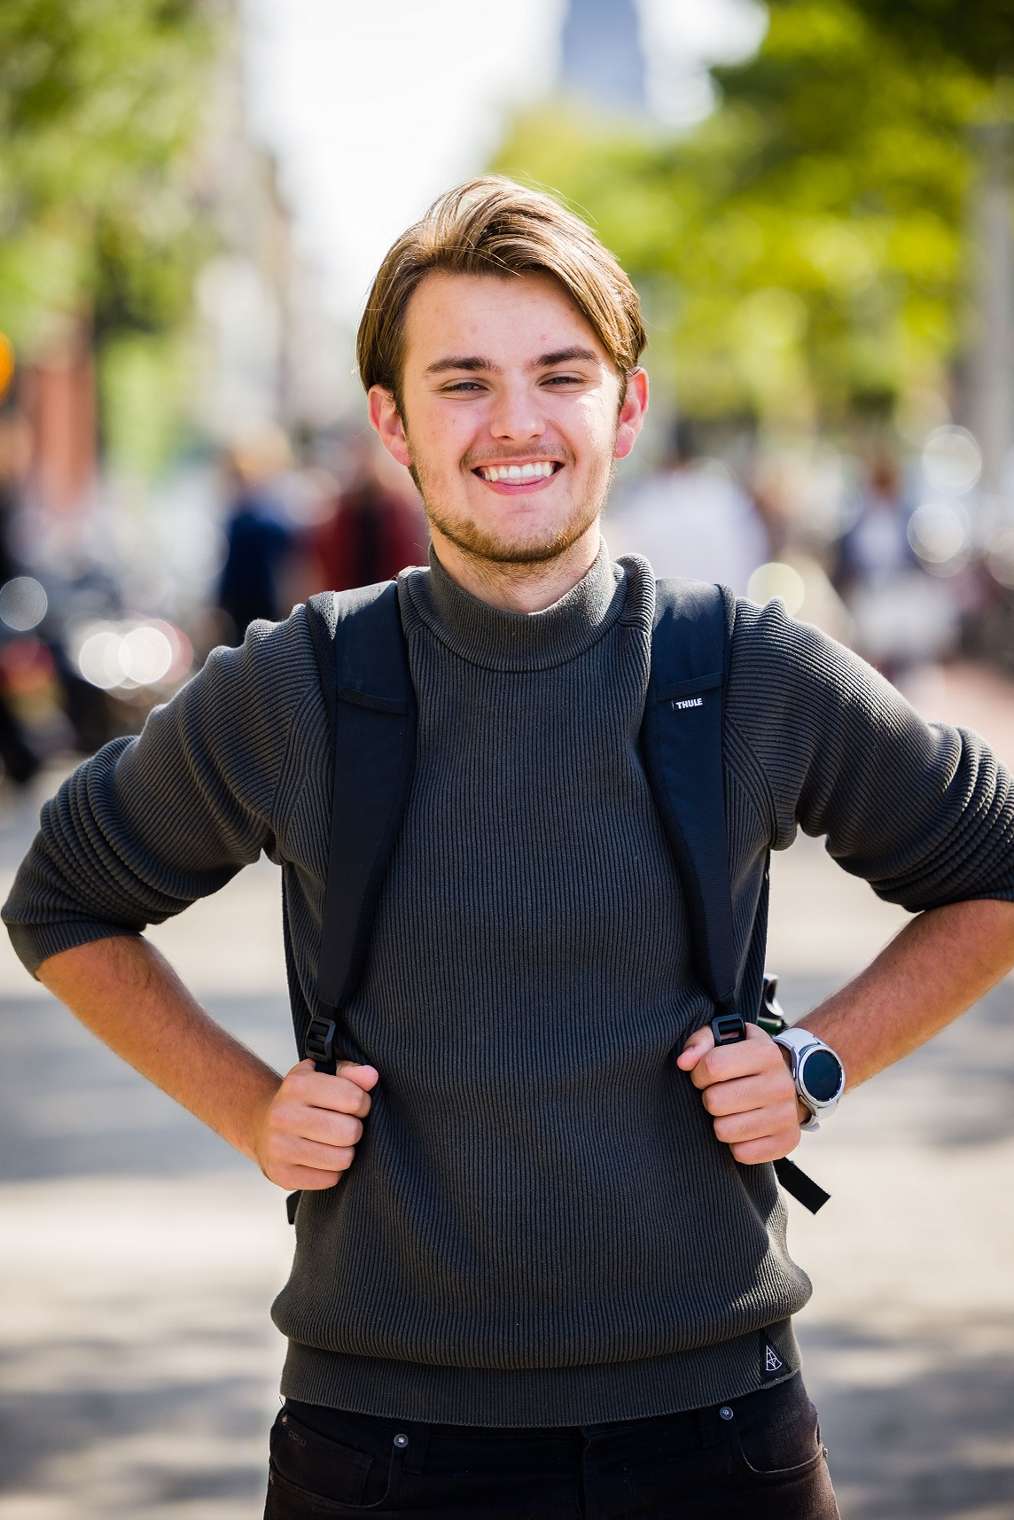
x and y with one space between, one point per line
472 362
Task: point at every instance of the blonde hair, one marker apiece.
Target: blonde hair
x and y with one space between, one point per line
494 226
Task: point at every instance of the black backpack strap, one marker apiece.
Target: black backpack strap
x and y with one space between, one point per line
364 673
362 663
683 756
682 746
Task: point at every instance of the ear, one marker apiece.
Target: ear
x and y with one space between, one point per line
635 404
386 421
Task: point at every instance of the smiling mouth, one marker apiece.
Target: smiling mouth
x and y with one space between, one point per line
511 484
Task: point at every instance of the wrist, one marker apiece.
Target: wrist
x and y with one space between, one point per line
252 1141
803 1114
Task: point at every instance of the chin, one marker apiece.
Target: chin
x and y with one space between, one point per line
538 545
539 552
532 549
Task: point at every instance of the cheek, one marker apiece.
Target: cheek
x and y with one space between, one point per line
445 441
595 428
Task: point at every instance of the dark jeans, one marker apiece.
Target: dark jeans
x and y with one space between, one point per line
758 1456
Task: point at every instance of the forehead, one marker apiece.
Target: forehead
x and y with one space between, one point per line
494 316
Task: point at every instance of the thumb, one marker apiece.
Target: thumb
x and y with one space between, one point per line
698 1045
365 1077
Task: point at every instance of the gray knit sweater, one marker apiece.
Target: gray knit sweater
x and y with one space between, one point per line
539 1226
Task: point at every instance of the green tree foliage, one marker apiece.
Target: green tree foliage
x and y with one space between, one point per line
99 101
801 251
979 32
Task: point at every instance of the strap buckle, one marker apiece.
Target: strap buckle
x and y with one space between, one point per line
319 1044
771 1017
727 1028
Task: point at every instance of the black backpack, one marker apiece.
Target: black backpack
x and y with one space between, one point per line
363 666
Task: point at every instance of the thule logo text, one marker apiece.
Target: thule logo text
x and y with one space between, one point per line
690 702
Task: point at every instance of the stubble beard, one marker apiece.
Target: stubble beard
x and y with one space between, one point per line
484 547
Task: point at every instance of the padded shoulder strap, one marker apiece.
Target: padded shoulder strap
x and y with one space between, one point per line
682 745
682 742
368 688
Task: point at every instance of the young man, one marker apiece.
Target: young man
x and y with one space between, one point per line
540 1262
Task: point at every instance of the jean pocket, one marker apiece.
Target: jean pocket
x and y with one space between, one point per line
775 1433
313 1474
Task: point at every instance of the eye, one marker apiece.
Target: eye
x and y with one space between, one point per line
462 385
564 380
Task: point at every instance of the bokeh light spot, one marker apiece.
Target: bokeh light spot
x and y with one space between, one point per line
951 460
938 532
98 658
145 654
23 603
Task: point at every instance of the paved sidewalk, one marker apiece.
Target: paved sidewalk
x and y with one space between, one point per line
139 1365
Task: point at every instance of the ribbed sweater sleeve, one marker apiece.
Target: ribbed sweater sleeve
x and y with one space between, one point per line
153 822
923 811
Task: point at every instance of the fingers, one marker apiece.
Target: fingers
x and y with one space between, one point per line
307 1179
313 1125
744 1093
759 1134
320 1158
747 1088
345 1092
364 1076
288 1151
698 1045
756 1124
770 1148
707 1063
330 1128
758 1120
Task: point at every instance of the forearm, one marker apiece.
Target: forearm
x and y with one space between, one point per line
936 968
126 992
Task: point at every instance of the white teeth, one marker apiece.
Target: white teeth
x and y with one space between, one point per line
518 471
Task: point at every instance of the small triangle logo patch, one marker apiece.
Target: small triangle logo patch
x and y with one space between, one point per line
771 1364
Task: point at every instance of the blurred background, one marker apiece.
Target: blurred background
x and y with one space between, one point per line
814 198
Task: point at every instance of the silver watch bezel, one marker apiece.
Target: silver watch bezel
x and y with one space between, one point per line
800 1044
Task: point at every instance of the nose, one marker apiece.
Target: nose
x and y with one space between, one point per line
517 415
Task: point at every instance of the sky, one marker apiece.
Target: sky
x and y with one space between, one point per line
374 109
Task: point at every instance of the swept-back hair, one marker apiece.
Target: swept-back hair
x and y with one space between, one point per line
494 226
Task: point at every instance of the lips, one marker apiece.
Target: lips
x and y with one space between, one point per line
519 487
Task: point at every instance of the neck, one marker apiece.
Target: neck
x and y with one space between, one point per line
518 587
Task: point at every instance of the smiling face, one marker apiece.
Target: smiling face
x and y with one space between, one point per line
505 374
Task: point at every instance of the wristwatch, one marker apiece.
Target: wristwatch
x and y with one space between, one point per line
817 1072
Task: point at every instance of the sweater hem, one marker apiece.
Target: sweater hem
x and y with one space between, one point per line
546 1396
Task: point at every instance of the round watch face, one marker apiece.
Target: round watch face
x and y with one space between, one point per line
821 1075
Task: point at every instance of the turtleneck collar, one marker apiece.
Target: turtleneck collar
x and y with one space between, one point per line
515 641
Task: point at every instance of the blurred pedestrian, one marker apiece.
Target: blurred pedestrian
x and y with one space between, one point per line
902 617
370 530
260 540
690 517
